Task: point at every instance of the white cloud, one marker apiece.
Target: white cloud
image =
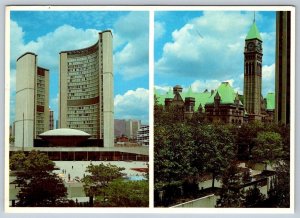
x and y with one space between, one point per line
201 86
134 104
47 47
162 88
210 47
159 29
268 72
268 78
16 41
131 55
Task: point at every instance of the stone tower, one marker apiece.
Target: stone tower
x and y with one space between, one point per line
253 73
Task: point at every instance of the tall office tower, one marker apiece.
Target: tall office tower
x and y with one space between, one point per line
253 73
283 67
86 89
51 119
32 100
131 128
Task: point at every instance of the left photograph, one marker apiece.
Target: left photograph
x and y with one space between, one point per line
78 107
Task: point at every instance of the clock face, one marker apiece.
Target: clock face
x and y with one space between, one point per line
250 46
259 47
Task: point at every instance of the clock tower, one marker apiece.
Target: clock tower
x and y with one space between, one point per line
253 53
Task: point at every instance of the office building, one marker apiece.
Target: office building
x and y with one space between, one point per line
32 100
131 128
51 119
127 128
86 90
143 135
283 67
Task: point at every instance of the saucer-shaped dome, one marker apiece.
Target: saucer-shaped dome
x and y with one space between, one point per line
65 137
64 132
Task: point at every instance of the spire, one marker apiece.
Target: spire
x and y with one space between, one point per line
253 32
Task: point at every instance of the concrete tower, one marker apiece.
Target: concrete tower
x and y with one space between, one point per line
32 100
86 89
253 73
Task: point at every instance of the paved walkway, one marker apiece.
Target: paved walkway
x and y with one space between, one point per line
76 169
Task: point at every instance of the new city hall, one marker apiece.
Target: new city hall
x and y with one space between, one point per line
86 106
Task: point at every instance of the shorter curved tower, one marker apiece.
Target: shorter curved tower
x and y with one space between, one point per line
32 100
86 89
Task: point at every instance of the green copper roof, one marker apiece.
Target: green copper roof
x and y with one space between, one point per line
270 101
253 33
226 93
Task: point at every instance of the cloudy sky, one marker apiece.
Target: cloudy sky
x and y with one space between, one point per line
203 48
48 33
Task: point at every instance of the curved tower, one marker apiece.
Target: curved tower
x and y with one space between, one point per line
253 53
32 100
86 89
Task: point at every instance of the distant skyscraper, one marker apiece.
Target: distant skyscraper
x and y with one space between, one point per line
32 100
120 127
86 89
51 120
128 128
131 128
253 73
283 67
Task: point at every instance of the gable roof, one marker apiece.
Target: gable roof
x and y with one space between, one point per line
226 93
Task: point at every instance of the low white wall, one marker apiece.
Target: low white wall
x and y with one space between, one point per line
204 202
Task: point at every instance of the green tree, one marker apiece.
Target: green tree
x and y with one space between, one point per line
98 178
215 148
39 185
279 193
231 194
123 193
246 136
268 147
174 159
254 198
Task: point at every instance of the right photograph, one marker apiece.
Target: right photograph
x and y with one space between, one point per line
222 109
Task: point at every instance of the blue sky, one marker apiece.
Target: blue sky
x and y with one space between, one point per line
46 33
203 48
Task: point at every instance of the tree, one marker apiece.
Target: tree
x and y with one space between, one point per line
268 147
39 186
98 178
174 159
231 193
254 198
122 193
279 193
246 136
215 146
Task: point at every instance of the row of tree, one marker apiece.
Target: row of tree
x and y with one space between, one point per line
39 186
186 151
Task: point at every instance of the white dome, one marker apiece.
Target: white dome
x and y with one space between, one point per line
65 132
